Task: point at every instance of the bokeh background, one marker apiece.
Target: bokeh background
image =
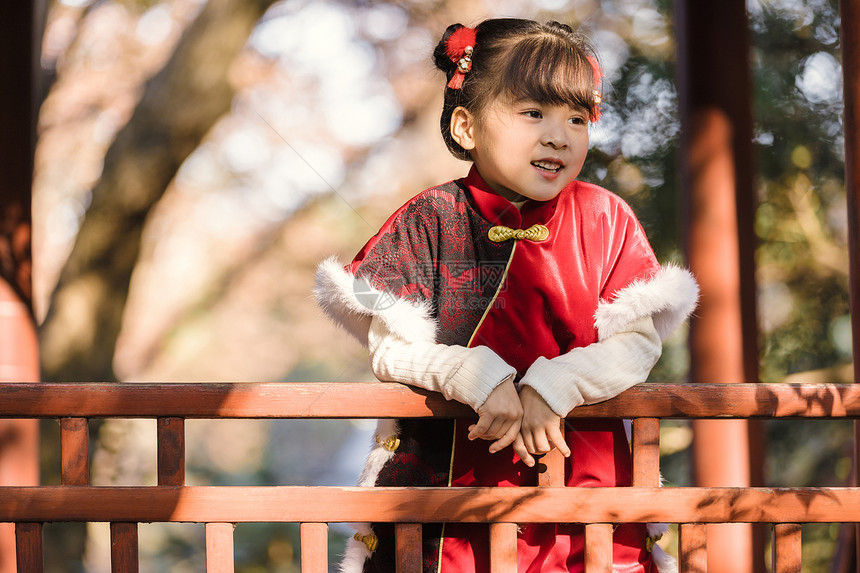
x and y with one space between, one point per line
198 158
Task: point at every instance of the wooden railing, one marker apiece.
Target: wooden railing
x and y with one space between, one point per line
315 507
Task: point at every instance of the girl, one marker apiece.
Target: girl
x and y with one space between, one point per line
516 290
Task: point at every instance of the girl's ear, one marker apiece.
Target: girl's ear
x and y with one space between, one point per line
463 128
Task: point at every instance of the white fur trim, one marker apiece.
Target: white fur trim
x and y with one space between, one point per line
657 529
665 563
355 555
356 551
350 302
378 455
668 297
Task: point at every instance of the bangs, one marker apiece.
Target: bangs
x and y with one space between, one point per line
546 70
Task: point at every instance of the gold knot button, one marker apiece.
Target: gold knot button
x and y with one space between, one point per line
500 233
391 443
371 540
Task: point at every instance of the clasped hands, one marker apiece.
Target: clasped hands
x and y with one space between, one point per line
522 419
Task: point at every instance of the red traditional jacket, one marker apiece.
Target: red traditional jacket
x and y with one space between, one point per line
438 270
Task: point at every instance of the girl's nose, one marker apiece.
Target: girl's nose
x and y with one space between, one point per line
554 137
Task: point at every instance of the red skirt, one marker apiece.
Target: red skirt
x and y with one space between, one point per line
600 457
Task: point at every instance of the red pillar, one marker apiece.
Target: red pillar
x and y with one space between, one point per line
19 46
849 12
717 168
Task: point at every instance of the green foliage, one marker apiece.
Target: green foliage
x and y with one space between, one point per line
802 256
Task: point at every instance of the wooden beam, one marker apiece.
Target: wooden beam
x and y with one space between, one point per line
348 400
289 504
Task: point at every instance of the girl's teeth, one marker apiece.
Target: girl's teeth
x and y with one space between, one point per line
546 165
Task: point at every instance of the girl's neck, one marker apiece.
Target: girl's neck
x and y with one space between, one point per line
519 204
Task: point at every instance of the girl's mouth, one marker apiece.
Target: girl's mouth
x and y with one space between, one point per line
550 166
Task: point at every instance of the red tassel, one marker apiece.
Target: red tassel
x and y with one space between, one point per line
457 80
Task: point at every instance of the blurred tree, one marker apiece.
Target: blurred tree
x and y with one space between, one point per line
178 107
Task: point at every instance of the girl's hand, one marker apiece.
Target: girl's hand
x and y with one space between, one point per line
499 417
541 427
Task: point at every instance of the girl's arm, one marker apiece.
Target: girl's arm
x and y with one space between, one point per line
475 376
599 371
552 388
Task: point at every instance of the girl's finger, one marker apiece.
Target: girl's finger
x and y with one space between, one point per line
506 440
556 438
478 430
541 444
522 451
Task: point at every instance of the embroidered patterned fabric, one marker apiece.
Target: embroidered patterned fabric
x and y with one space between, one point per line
426 252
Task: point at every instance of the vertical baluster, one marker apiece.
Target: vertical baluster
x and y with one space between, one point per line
315 547
693 548
646 452
598 548
219 548
75 451
408 547
503 548
123 548
171 451
786 548
28 547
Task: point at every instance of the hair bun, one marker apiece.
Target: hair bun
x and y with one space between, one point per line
440 54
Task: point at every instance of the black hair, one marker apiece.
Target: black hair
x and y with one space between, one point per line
521 60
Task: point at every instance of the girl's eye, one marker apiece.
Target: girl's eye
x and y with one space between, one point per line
533 113
578 120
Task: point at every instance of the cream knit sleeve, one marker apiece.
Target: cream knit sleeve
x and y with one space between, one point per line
599 371
467 375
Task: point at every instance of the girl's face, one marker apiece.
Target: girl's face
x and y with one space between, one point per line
524 150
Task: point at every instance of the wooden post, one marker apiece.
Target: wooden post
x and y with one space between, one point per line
598 548
503 547
124 548
74 451
693 548
315 547
171 451
408 551
219 548
786 548
718 183
20 38
28 540
849 14
646 452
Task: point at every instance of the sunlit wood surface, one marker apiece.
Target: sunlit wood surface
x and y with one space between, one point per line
351 400
428 505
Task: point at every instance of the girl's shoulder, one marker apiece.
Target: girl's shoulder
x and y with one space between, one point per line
588 197
432 208
437 200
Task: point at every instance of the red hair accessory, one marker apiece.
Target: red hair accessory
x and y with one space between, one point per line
598 78
459 49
